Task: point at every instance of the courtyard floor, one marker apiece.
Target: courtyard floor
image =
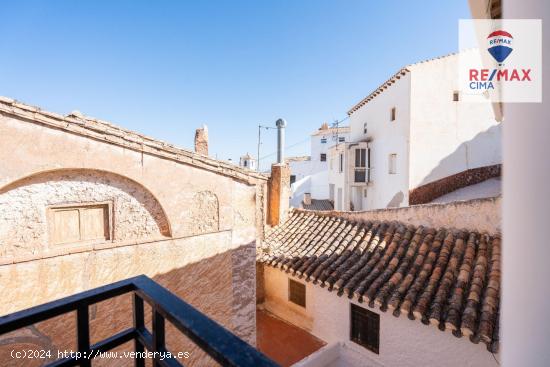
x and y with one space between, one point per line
286 344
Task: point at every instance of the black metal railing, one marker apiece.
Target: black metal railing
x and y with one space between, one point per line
219 343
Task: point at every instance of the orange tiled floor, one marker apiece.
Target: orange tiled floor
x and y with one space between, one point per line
286 344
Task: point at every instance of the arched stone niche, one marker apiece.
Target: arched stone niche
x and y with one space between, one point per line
134 213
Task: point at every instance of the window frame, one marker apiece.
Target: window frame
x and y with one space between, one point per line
52 209
371 345
323 140
299 285
392 164
341 163
393 114
323 155
456 96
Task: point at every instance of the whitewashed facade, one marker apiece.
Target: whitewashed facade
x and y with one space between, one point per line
310 174
416 129
247 161
403 342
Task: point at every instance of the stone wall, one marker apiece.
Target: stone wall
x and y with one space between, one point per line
483 215
184 220
136 214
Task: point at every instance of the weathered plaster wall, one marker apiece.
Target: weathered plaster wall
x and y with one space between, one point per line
403 342
190 228
135 212
217 280
479 214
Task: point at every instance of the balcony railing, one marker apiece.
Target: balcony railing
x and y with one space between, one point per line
220 344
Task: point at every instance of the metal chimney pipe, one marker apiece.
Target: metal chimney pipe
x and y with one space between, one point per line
281 124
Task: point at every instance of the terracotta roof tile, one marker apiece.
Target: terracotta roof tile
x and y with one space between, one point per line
444 277
318 204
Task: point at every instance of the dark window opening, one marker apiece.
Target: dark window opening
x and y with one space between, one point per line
365 328
392 115
341 139
323 157
292 179
323 140
297 293
456 96
360 157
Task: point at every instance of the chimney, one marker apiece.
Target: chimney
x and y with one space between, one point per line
281 124
278 194
307 198
201 140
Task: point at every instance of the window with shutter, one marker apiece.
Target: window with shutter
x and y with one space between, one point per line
83 223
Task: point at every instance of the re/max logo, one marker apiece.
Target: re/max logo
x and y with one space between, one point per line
483 78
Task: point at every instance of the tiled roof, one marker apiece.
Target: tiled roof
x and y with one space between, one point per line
445 277
316 204
76 123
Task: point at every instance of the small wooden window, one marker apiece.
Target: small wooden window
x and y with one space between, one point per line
297 293
456 96
323 157
392 114
365 328
71 224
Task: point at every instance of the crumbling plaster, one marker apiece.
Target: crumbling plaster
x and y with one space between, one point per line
186 220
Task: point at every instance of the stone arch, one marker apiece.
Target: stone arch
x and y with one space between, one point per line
136 213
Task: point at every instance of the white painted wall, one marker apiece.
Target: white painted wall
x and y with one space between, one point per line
525 331
302 171
448 137
337 178
387 137
433 136
317 170
403 342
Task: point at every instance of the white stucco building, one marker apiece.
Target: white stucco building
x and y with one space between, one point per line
413 139
248 161
309 174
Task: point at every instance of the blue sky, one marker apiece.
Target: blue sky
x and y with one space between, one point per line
164 68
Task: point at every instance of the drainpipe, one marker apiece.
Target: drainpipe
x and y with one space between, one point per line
281 124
